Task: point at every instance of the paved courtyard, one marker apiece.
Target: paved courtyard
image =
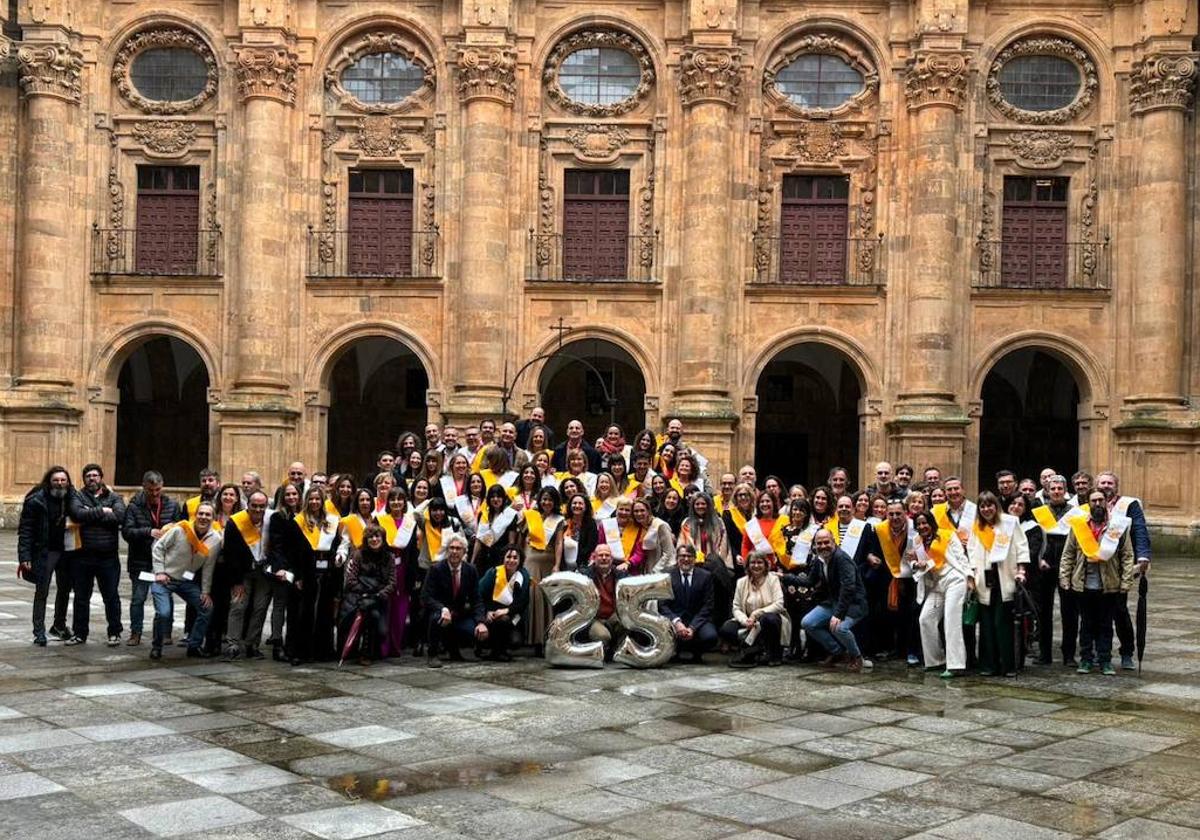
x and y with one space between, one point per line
100 743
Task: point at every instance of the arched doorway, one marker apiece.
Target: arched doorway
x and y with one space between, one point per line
807 422
162 416
1030 417
377 389
572 391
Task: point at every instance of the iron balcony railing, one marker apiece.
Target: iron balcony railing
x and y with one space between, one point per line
133 251
1042 265
812 261
359 254
618 259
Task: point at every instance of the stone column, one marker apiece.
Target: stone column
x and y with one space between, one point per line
1161 92
935 87
258 300
709 87
49 305
486 76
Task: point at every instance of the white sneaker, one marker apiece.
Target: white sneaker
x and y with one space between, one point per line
867 663
115 640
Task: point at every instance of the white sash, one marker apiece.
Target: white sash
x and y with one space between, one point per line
612 536
917 546
588 480
570 552
1028 526
491 531
650 538
506 595
854 532
404 533
803 545
1062 527
326 539
966 522
757 538
550 481
448 489
508 479
606 509
1003 539
1123 503
1111 538
259 550
466 512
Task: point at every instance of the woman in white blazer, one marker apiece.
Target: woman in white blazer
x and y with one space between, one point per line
940 566
998 553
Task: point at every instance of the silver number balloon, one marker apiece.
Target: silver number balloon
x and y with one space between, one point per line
561 647
635 614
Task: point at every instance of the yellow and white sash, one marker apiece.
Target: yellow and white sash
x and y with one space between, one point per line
540 528
612 536
491 530
354 526
966 522
802 546
1103 550
1123 503
1045 518
603 509
76 536
854 534
772 542
319 534
449 489
1001 539
893 555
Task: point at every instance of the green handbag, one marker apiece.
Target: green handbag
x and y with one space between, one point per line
970 609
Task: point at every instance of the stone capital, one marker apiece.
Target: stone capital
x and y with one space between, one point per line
265 72
6 49
487 72
710 74
936 79
50 70
1163 81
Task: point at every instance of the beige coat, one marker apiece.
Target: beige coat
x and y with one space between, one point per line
749 602
1018 555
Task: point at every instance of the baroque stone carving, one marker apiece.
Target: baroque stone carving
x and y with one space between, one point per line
265 72
647 235
819 142
50 70
487 73
764 216
379 136
1163 81
710 74
827 43
165 137
597 142
595 38
543 251
936 78
169 37
114 248
6 47
987 231
212 222
1052 46
371 43
1042 149
1087 221
717 14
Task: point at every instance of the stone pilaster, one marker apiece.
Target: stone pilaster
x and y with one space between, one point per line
1161 92
486 85
49 305
259 300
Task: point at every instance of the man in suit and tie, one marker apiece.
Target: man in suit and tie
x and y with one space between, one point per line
451 600
690 607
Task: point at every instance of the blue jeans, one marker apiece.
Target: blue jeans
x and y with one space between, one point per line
138 591
816 625
189 591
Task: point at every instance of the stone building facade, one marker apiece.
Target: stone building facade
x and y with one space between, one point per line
938 231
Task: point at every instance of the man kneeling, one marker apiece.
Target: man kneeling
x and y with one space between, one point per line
451 600
184 552
845 604
690 608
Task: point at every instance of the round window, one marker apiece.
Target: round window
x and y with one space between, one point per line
819 81
169 74
599 76
382 78
1039 82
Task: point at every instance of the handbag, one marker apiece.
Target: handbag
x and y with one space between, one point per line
970 609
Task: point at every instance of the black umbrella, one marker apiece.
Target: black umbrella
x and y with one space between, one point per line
1143 588
1024 613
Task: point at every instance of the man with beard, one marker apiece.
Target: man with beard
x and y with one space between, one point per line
1051 518
210 483
1108 483
831 622
45 549
99 512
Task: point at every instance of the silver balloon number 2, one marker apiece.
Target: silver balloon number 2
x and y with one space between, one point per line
632 596
561 647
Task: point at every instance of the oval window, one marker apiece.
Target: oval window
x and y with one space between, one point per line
819 81
599 76
1039 82
382 78
169 74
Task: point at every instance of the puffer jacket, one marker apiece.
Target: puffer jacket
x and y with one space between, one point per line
136 528
98 530
33 532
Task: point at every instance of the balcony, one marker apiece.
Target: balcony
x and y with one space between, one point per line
345 254
176 253
1042 266
795 261
616 259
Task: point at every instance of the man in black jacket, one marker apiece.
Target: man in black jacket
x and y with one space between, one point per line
832 621
99 512
690 608
45 550
575 441
147 514
451 600
1055 531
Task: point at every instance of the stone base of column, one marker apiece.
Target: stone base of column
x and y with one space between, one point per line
1158 461
926 441
712 436
468 406
38 430
260 435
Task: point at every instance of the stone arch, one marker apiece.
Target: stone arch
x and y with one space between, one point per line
862 364
158 17
320 362
355 22
1089 373
626 342
117 348
655 48
571 389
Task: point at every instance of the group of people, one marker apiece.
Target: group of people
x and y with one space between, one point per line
443 543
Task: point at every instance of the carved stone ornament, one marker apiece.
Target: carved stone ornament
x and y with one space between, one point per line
598 142
1042 149
936 78
487 73
819 142
265 72
50 70
823 43
168 37
165 137
710 74
1052 46
372 43
379 136
1163 81
589 39
6 48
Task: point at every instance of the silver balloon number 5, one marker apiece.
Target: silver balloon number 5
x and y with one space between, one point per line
633 593
561 647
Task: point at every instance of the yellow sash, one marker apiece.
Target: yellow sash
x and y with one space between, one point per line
198 547
190 506
389 526
937 548
312 530
629 538
677 484
332 509
433 539
718 504
1088 543
943 519
986 535
354 529
501 582
536 526
891 552
489 478
477 460
250 534
739 521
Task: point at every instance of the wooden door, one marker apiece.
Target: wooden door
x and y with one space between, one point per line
1034 233
813 225
379 241
595 224
168 220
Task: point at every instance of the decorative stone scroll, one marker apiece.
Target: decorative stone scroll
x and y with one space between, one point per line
163 38
598 143
936 78
1163 81
1041 149
165 137
589 38
486 72
266 72
50 70
710 74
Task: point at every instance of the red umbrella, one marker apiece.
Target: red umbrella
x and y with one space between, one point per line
351 637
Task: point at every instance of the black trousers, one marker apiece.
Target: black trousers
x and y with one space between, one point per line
703 640
1098 611
1068 608
371 634
459 632
500 635
1124 624
102 571
768 635
59 566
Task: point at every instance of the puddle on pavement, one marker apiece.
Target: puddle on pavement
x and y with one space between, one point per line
711 721
379 786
